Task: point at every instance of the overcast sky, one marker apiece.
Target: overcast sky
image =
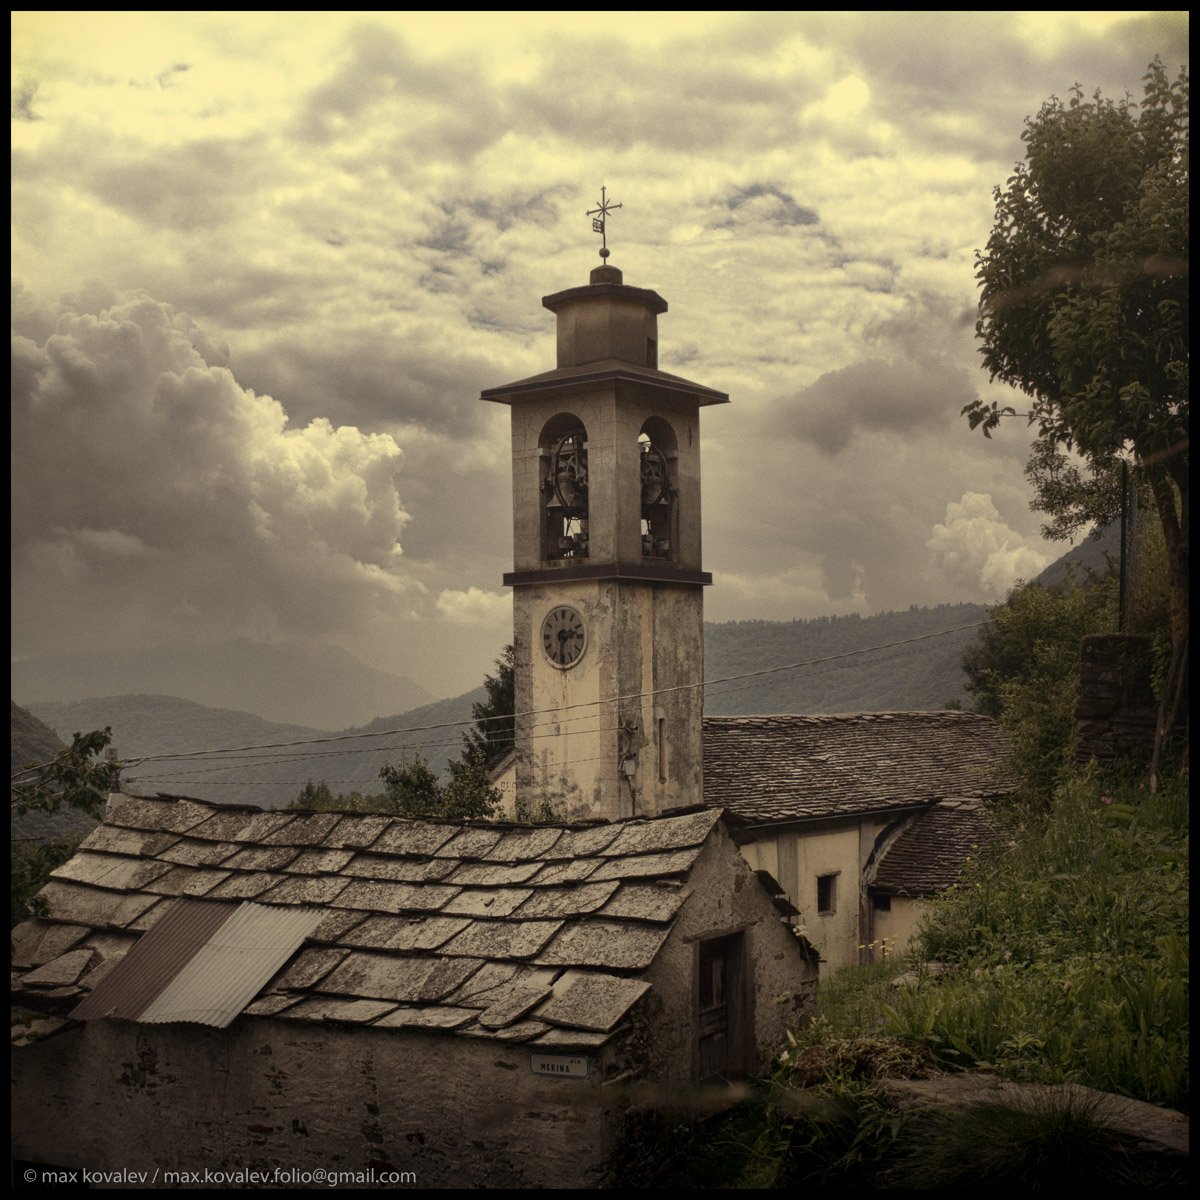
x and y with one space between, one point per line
264 263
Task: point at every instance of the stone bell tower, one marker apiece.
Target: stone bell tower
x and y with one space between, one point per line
608 605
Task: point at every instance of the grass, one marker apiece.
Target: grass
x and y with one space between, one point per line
1070 949
1066 954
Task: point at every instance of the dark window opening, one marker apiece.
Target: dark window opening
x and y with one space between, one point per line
652 353
827 893
881 903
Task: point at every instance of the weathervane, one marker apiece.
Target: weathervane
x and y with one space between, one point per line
599 223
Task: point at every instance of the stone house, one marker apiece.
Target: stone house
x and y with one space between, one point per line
861 817
480 1005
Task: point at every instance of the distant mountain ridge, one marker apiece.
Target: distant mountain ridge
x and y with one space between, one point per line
922 674
297 683
919 675
146 725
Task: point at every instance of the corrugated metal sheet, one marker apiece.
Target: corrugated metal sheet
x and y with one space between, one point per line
238 959
156 959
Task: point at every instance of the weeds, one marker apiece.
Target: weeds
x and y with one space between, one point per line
1052 1140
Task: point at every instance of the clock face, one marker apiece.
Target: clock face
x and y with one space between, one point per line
564 636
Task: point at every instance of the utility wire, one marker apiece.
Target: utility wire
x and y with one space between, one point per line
345 737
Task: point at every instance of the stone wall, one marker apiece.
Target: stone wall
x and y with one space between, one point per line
273 1095
1115 711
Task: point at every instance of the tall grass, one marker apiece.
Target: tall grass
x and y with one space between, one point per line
1069 948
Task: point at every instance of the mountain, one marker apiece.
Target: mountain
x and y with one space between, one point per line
144 725
922 674
1097 553
33 742
298 683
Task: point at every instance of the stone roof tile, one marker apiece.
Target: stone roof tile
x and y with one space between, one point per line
567 901
591 1000
646 866
414 839
458 927
188 853
110 871
930 853
383 932
645 902
502 939
37 942
395 897
157 815
487 902
595 943
776 769
398 977
479 874
240 826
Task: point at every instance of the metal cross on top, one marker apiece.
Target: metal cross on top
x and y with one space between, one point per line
599 223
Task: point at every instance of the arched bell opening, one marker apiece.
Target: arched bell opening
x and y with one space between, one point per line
657 467
563 472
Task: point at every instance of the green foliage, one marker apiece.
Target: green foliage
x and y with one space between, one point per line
1023 668
30 866
73 777
414 789
1070 942
314 797
469 792
494 729
1054 1140
1084 307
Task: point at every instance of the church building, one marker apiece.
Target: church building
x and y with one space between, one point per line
473 1003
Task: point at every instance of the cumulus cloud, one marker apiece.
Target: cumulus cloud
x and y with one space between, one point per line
476 607
975 548
149 484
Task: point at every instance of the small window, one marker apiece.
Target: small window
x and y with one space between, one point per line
881 903
652 353
827 893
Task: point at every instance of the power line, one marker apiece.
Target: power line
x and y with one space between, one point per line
345 737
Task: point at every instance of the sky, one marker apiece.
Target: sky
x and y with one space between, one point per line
264 263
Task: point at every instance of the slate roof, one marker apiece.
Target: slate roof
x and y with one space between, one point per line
929 855
779 769
524 933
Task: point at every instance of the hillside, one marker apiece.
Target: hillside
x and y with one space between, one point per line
30 742
922 675
295 683
166 724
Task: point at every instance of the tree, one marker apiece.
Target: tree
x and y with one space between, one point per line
414 790
73 776
1084 307
1023 669
495 727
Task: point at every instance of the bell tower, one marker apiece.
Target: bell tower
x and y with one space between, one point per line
608 607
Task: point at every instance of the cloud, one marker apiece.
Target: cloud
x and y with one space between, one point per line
476 607
897 397
766 202
148 483
975 548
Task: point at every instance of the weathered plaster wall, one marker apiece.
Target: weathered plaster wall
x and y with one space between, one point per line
798 855
892 932
725 898
642 638
269 1093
